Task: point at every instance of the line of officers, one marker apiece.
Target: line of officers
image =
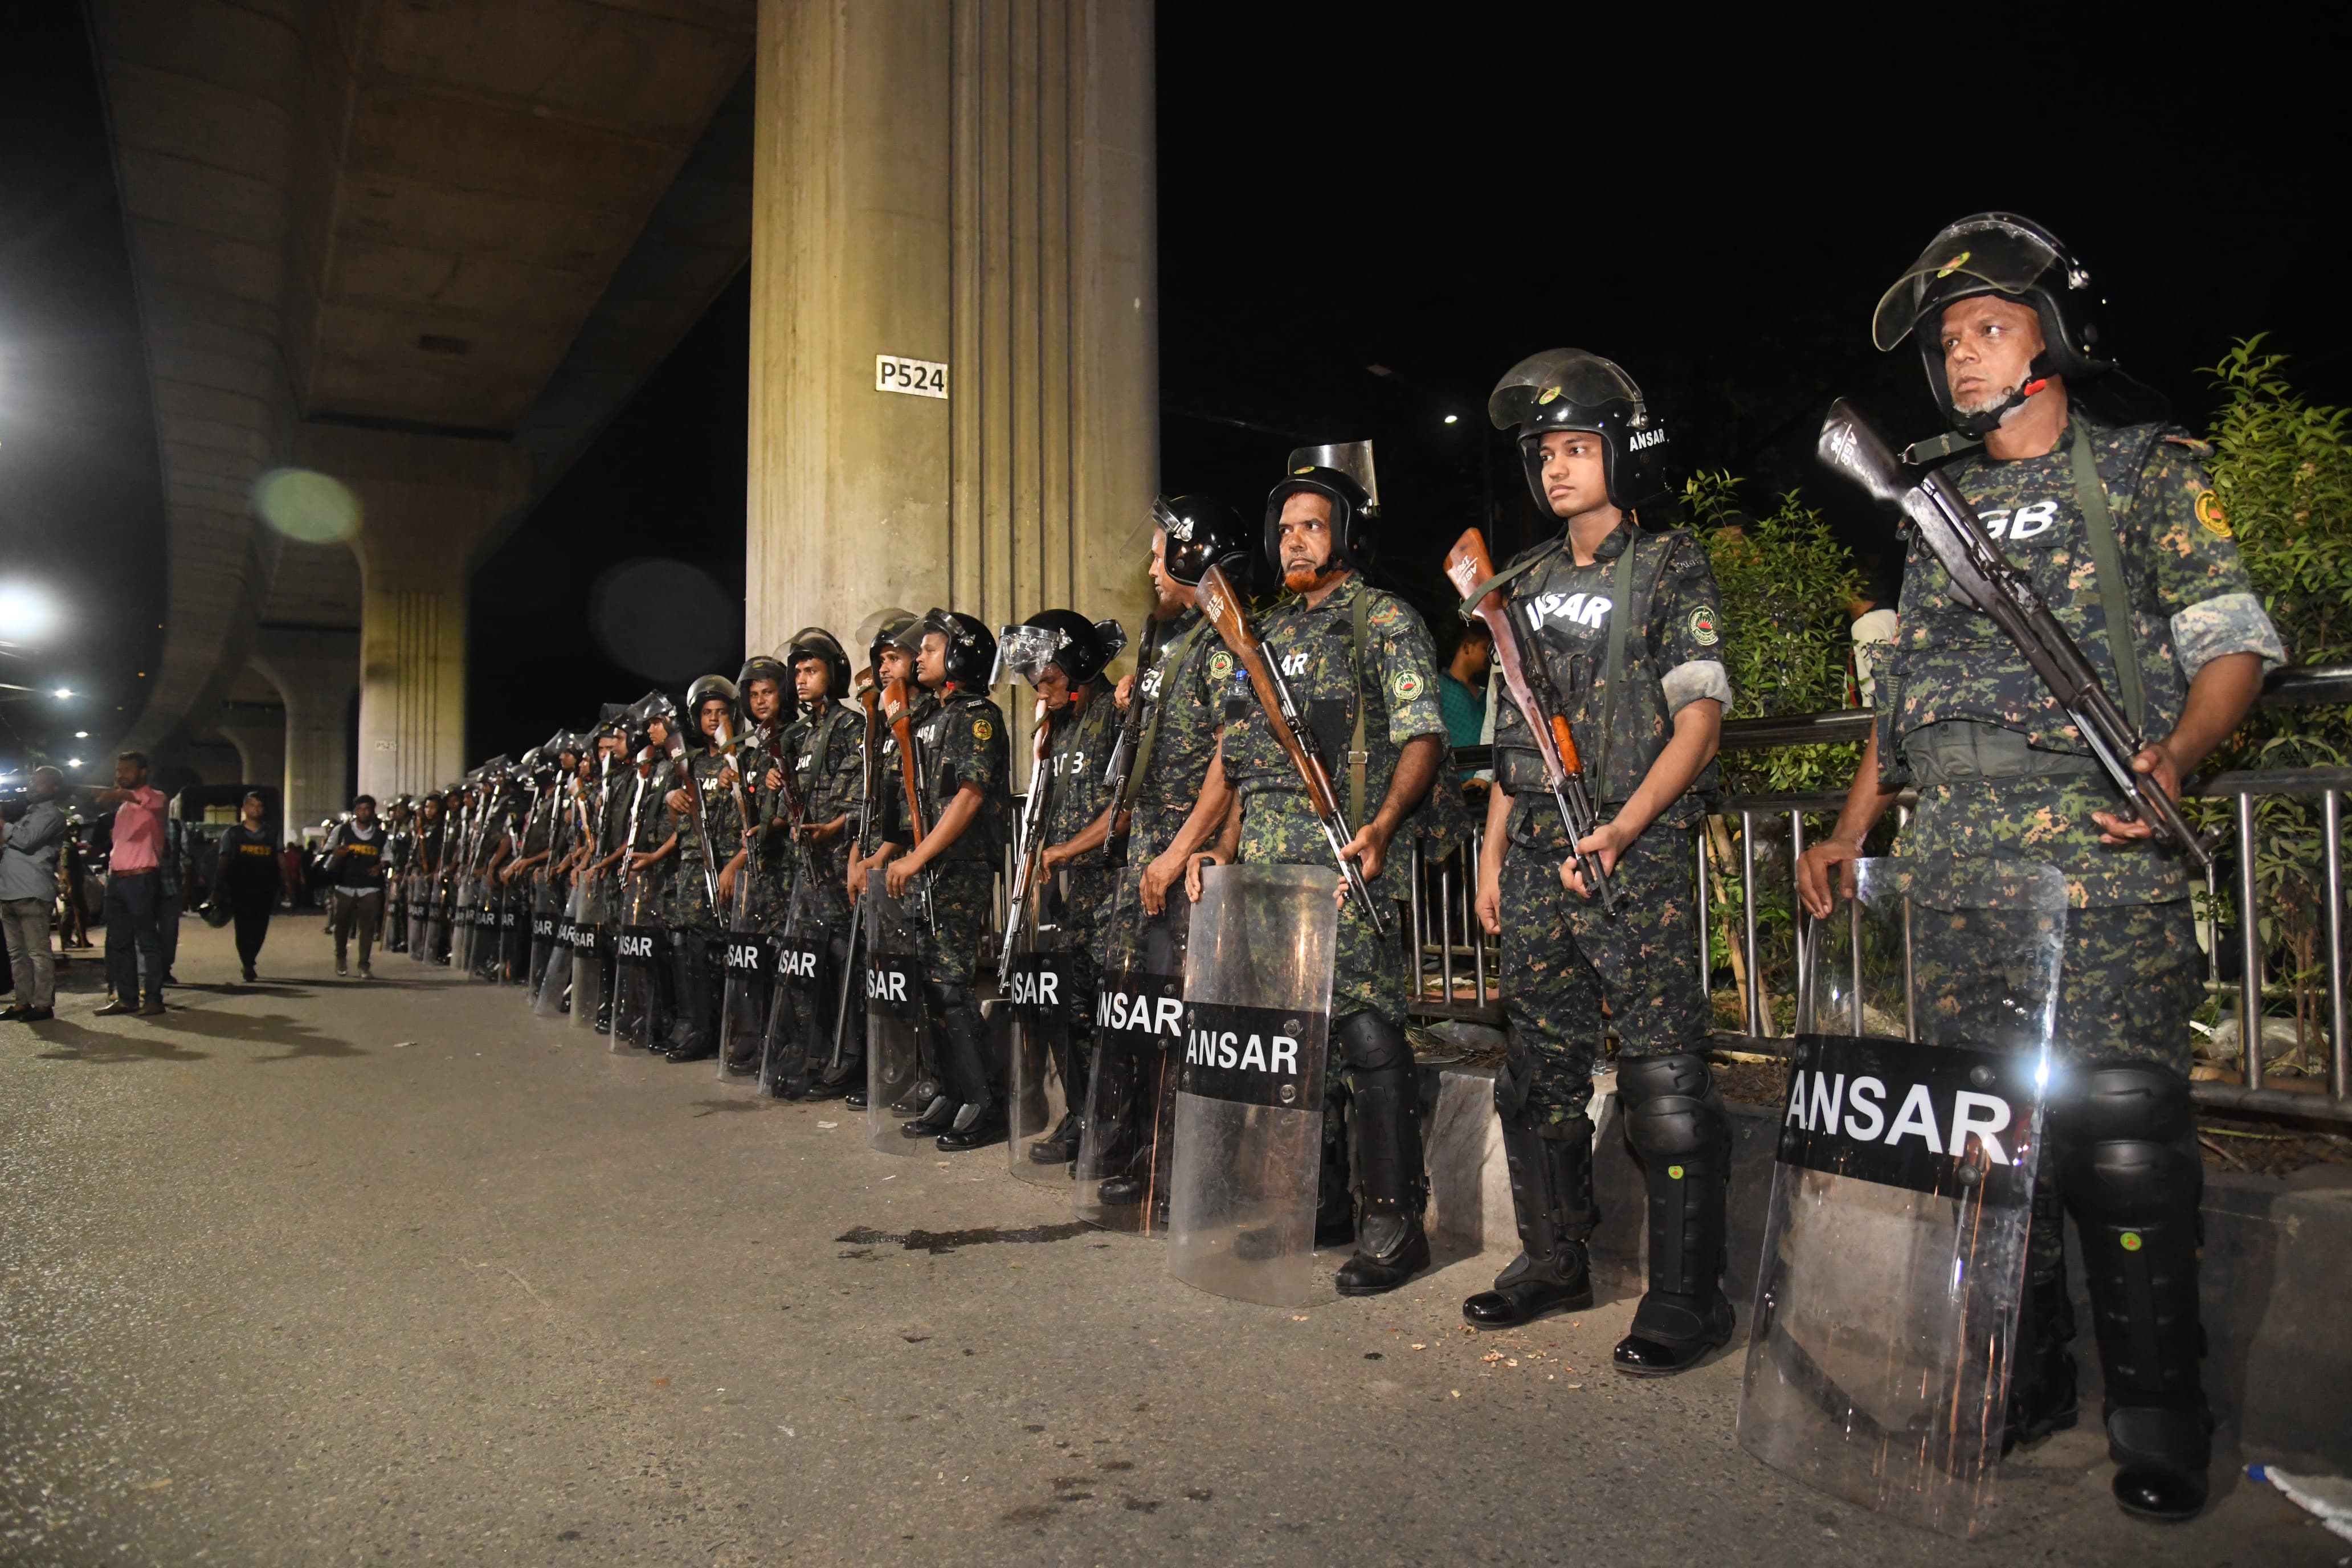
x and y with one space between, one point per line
767 803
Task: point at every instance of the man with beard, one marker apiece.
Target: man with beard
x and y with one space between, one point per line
1360 664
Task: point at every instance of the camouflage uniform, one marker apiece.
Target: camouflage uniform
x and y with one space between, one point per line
1186 688
961 740
1562 957
824 755
1398 684
2001 771
1080 749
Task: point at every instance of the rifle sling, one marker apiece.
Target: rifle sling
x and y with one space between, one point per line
1621 614
2115 598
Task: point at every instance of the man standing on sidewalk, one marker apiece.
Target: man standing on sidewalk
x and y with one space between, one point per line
355 873
29 892
134 889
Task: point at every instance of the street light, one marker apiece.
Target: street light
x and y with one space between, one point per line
73 762
1453 419
62 693
26 613
81 734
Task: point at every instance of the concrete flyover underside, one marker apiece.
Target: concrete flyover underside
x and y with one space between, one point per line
318 1272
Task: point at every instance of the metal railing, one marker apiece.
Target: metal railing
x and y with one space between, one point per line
1457 967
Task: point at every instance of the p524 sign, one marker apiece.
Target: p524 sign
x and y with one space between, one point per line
915 377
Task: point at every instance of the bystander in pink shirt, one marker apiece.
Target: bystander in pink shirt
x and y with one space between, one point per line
139 832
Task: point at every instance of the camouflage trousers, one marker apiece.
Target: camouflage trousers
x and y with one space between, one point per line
1369 972
1562 959
1074 918
2130 977
962 908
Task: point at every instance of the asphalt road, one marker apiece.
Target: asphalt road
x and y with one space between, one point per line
318 1272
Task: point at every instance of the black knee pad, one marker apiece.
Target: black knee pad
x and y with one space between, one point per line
1370 1043
1670 1105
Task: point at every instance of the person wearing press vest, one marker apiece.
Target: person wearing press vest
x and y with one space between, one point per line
356 878
2108 508
245 874
134 892
1616 625
28 893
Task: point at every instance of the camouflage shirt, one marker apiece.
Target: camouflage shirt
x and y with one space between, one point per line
1185 688
1673 656
1314 647
961 740
2190 602
1082 742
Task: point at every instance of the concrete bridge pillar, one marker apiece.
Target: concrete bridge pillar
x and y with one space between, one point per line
967 182
315 673
426 503
258 734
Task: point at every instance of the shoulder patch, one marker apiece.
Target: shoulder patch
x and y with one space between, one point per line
1408 685
1220 665
1702 626
2210 513
982 730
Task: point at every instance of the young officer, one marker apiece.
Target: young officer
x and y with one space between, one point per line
1618 620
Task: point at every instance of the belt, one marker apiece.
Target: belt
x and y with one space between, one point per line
1963 751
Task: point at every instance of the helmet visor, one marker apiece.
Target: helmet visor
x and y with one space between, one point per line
1976 255
1025 651
1537 382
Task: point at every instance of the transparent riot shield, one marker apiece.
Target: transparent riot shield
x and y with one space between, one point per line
1125 1151
461 922
894 1013
419 892
1037 997
546 909
551 970
747 962
1894 1243
639 946
587 972
514 934
798 996
1249 1091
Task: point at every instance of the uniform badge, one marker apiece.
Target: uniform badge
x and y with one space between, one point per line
2210 513
1408 685
1220 665
1953 265
1702 627
981 728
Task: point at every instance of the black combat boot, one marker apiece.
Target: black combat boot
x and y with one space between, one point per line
1682 1135
2042 1397
1335 1187
978 1119
695 1036
1392 1188
2133 1178
1551 1195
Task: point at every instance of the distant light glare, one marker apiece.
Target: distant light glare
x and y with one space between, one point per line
81 734
73 762
1453 419
26 613
62 693
301 503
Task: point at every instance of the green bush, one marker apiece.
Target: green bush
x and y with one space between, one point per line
2283 469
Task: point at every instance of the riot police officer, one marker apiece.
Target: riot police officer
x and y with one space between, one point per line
893 637
1359 662
1619 626
709 829
2108 509
821 753
964 767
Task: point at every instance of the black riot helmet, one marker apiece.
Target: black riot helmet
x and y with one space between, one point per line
1202 531
653 705
761 667
816 642
1569 389
710 688
2017 258
1081 648
972 649
890 627
1342 473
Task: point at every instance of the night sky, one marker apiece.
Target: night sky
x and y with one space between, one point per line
1717 203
